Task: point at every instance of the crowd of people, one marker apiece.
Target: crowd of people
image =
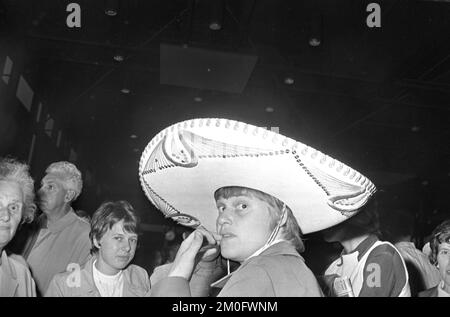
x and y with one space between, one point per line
255 250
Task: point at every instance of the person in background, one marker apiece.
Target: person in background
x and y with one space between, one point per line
398 229
16 206
440 256
108 273
373 268
60 237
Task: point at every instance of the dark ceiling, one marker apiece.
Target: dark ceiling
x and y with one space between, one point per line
375 98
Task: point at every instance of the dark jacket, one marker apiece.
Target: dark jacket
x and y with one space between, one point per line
431 292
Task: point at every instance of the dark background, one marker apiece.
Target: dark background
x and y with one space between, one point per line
374 98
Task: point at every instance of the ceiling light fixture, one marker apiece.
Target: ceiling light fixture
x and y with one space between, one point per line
314 42
111 7
216 17
118 58
133 136
315 35
289 80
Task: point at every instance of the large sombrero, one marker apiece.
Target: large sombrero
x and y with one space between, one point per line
182 167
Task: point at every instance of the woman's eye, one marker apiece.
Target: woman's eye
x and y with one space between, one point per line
242 206
119 238
13 208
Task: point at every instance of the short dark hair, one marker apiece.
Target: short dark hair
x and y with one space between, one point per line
440 235
367 220
107 215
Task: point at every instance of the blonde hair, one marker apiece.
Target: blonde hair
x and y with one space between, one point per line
290 230
72 176
12 170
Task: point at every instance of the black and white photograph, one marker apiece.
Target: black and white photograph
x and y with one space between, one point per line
244 149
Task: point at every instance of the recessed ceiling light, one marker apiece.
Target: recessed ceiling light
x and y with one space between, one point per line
215 26
314 42
198 99
125 90
270 109
289 80
118 58
135 150
133 136
111 12
415 128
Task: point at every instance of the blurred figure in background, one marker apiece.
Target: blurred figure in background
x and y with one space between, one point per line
373 268
16 206
398 229
440 256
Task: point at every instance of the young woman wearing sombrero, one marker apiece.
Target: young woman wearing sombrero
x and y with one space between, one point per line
252 193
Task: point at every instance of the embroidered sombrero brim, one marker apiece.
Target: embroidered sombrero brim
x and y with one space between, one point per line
182 167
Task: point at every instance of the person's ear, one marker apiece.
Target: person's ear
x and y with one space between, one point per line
70 195
97 243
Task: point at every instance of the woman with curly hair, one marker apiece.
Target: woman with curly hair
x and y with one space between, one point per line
16 206
440 256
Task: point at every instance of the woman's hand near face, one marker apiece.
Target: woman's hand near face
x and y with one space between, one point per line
211 250
191 251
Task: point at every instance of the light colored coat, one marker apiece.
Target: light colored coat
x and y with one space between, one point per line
279 271
15 277
55 246
81 283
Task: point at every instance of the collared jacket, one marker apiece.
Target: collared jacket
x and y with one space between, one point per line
53 246
437 291
278 271
431 292
422 274
15 277
80 283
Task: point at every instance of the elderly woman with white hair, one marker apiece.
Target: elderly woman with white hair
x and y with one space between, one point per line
16 206
60 236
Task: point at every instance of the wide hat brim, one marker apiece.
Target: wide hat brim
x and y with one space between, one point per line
182 167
